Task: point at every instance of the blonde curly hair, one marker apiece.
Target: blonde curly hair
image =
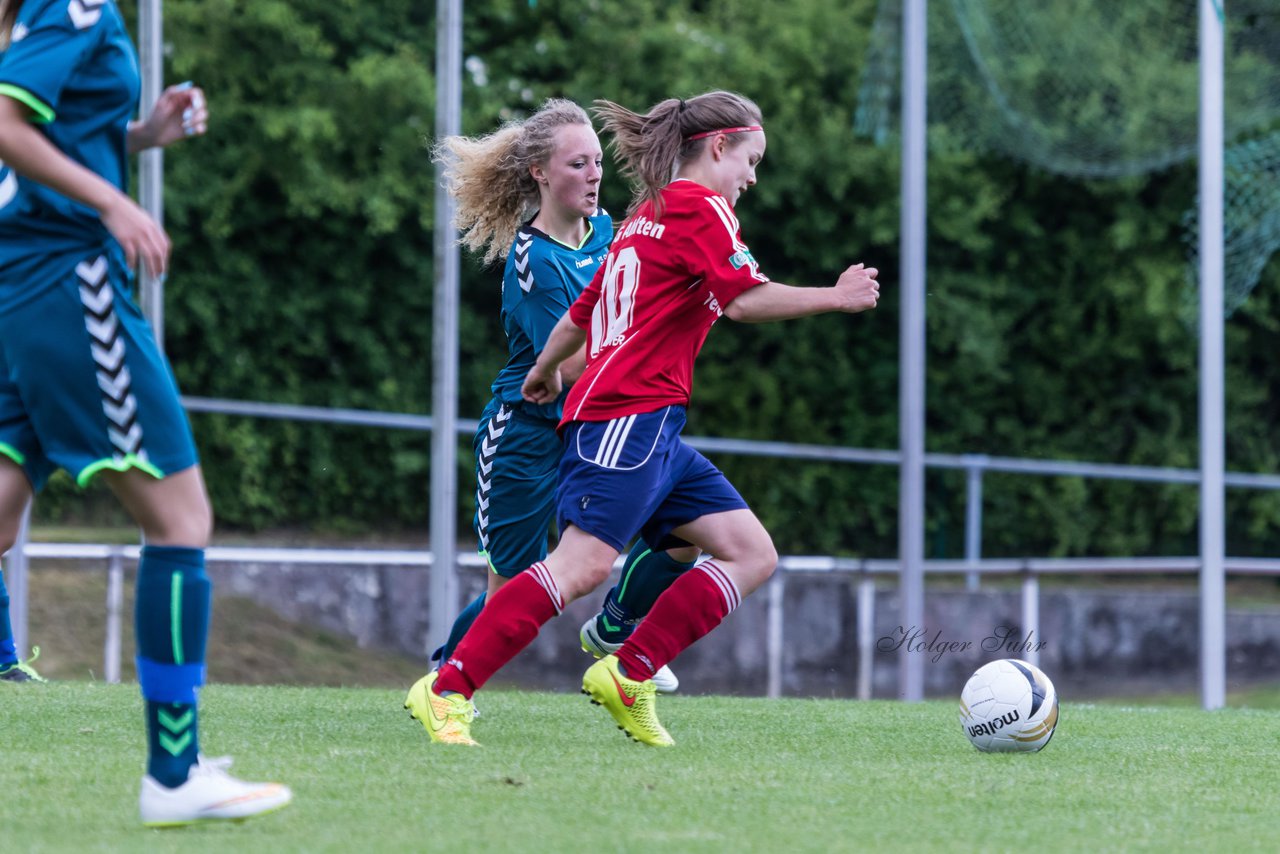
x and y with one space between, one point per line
8 17
489 175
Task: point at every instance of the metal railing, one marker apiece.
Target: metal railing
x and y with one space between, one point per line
862 571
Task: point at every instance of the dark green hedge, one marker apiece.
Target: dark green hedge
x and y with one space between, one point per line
302 274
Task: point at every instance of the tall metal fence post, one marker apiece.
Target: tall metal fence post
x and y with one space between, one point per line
1030 615
151 161
446 260
115 604
973 522
866 633
15 573
774 640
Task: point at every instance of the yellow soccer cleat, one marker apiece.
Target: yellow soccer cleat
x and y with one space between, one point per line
22 671
446 719
630 702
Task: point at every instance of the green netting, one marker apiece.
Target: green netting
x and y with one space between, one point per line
1096 88
1251 216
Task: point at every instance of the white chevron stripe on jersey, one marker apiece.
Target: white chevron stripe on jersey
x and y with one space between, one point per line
524 275
547 583
85 13
91 273
729 590
97 302
122 413
484 463
108 359
102 330
115 388
495 431
119 404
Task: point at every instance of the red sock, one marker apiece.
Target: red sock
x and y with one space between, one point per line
688 609
509 622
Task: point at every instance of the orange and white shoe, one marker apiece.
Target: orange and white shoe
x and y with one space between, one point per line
210 794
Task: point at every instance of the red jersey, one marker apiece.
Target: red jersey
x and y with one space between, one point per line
653 301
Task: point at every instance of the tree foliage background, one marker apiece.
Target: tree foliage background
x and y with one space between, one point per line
303 274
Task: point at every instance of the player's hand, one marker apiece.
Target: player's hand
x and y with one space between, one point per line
858 288
180 112
144 242
541 387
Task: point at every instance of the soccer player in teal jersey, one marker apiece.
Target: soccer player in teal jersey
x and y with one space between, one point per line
83 384
539 180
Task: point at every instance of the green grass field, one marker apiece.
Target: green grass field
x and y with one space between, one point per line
554 775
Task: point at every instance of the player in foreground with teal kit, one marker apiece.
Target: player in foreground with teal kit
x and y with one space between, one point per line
539 180
677 264
83 385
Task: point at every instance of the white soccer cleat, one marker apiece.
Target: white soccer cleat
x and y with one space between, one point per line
664 680
210 794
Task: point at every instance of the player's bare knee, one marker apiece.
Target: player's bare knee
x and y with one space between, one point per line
190 530
8 536
760 561
590 577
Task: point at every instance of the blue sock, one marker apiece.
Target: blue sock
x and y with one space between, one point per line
645 575
171 621
460 626
8 654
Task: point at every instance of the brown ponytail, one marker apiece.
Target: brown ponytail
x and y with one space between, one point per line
649 147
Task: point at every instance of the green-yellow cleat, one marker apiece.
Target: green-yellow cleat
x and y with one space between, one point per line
446 719
22 671
630 702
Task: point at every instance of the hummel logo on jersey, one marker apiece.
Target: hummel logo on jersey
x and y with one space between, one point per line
584 262
85 13
19 33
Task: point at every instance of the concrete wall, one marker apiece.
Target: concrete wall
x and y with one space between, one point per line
1093 643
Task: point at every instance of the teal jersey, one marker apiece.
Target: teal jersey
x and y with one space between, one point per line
542 279
73 64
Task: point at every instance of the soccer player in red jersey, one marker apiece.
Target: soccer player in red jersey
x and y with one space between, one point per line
677 264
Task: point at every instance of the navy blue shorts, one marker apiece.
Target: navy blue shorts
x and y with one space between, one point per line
516 459
83 385
635 475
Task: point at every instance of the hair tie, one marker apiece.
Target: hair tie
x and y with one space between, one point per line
683 105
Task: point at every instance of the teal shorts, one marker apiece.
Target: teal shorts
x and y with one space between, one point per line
83 385
516 459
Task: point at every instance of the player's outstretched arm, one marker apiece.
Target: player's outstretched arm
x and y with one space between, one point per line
856 290
543 382
32 155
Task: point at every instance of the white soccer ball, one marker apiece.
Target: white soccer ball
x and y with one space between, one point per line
1008 706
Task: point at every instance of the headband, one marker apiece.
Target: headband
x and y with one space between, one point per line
706 133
